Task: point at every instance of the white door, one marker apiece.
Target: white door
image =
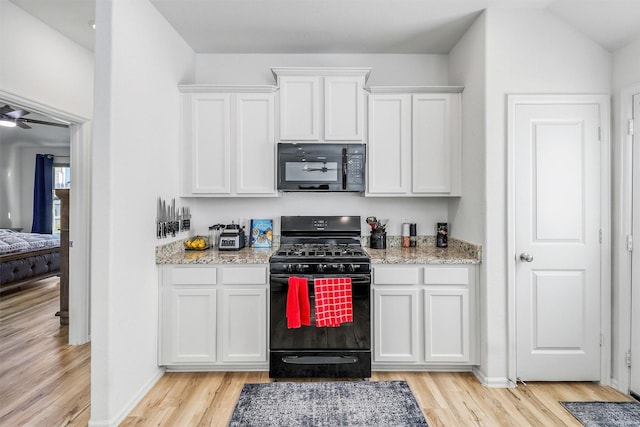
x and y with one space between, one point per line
635 266
557 190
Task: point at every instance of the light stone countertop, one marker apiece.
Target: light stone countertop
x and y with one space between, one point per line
174 253
421 255
458 252
425 252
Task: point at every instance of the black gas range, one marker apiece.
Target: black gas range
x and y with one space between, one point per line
307 257
311 248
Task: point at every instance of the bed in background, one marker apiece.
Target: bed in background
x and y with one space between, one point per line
27 257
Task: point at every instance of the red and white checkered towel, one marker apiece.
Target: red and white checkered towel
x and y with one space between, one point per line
334 304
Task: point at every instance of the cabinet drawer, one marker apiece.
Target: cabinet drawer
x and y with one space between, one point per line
192 275
396 276
245 276
446 276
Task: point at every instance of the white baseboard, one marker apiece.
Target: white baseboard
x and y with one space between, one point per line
492 382
115 422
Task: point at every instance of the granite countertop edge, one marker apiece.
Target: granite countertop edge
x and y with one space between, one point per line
458 252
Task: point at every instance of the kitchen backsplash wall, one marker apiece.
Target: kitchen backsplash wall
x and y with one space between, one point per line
387 69
425 212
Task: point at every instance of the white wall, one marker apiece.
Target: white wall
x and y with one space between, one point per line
140 60
527 52
40 64
17 163
467 68
425 212
468 214
626 80
388 70
626 65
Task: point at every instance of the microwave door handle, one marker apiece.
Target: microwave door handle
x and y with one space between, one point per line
345 159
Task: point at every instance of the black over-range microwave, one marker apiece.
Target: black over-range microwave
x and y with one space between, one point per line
321 167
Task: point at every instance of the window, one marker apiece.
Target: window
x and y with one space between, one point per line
61 179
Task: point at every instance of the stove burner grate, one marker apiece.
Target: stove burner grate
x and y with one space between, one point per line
320 250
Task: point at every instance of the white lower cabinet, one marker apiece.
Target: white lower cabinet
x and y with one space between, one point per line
191 329
213 317
395 325
244 314
424 315
446 325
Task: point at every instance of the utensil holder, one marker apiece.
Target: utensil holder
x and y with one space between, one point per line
378 240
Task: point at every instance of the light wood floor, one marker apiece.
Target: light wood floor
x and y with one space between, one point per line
44 382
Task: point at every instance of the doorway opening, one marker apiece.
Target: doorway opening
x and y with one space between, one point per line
79 161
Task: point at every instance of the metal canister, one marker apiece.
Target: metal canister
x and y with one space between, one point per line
442 233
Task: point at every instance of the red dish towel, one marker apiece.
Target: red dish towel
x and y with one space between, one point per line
298 307
334 304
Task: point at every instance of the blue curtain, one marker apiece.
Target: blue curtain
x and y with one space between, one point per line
43 195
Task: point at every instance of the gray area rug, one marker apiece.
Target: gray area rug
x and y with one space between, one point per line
605 414
363 403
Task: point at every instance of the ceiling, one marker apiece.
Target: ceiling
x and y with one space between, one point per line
341 26
40 135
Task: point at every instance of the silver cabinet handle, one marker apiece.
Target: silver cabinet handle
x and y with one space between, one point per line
526 257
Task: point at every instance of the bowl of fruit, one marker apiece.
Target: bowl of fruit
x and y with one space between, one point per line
196 243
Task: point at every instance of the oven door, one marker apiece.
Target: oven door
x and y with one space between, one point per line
348 336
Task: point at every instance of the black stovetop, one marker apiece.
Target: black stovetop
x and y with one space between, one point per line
320 244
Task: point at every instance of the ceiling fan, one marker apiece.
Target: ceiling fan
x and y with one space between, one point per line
12 117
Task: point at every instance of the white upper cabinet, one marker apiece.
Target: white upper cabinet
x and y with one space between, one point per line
321 104
435 163
207 143
255 142
389 145
228 141
344 108
299 108
414 143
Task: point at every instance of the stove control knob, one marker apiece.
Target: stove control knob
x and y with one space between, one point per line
289 268
321 268
301 267
351 268
339 267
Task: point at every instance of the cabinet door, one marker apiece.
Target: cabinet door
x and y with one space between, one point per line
207 143
343 109
389 144
299 108
395 325
190 326
244 325
436 144
255 144
446 325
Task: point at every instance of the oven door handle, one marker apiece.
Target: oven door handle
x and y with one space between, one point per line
284 280
320 360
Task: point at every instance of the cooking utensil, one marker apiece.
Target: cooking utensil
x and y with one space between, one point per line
372 221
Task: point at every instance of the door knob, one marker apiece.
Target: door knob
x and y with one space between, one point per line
526 257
